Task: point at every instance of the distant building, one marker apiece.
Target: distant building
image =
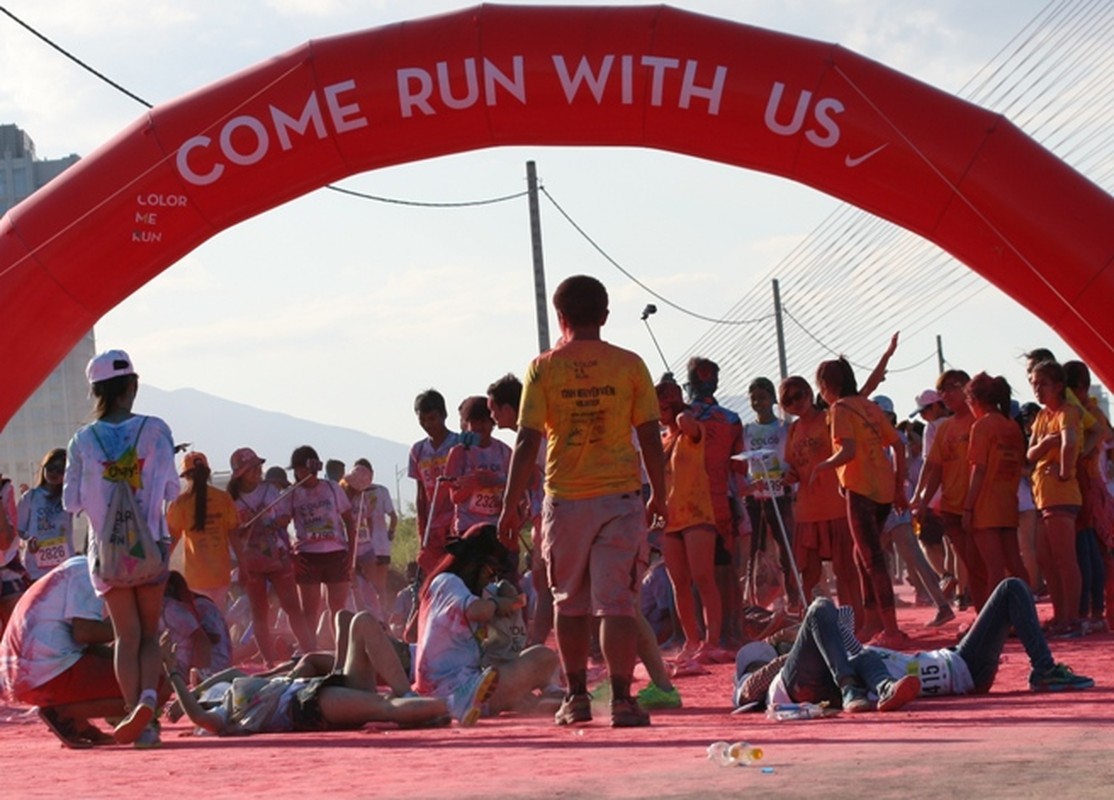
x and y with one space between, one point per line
61 404
20 172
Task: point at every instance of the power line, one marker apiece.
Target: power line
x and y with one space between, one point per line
75 59
420 204
595 245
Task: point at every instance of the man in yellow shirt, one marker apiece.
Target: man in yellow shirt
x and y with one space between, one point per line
584 396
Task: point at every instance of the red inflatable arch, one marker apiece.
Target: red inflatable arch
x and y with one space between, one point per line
651 76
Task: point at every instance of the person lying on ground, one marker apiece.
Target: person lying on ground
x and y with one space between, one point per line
969 667
343 699
817 669
972 665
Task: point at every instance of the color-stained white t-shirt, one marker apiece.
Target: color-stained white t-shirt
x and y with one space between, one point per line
42 518
448 643
317 515
38 644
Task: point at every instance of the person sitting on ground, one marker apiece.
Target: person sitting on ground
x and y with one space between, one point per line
197 629
969 667
307 700
56 655
452 623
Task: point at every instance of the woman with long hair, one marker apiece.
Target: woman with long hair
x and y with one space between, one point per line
996 452
1054 453
455 611
45 527
689 537
820 513
262 547
127 450
202 519
871 483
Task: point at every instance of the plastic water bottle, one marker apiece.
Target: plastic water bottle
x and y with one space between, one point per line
739 754
783 712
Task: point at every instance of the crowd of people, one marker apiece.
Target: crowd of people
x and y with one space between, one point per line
630 521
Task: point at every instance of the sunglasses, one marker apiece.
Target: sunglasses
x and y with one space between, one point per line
792 397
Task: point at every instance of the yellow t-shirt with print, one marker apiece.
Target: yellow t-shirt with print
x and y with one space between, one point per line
208 562
585 396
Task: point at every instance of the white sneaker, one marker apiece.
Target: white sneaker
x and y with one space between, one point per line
468 699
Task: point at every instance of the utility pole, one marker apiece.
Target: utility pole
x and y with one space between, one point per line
781 361
539 261
939 354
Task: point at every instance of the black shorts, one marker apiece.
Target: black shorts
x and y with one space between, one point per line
305 709
932 528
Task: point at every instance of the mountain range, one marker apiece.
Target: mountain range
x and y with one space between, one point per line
217 426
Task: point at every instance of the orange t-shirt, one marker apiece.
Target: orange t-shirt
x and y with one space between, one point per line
870 472
998 445
949 452
807 444
1048 489
688 497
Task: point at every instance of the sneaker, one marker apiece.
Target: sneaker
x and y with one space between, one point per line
575 708
148 738
897 693
854 699
1059 679
652 698
944 615
131 726
466 703
1073 630
628 714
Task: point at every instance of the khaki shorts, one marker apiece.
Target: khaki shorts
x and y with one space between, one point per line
592 549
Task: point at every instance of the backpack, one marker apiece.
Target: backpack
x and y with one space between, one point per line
125 553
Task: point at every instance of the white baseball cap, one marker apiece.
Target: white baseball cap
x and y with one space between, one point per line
108 365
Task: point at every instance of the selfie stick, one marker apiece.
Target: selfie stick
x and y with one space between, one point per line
275 502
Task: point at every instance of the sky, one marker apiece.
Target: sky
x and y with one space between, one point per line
341 310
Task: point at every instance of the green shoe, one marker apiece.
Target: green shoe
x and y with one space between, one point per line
654 698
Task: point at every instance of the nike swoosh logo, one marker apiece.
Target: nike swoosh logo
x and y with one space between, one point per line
854 162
